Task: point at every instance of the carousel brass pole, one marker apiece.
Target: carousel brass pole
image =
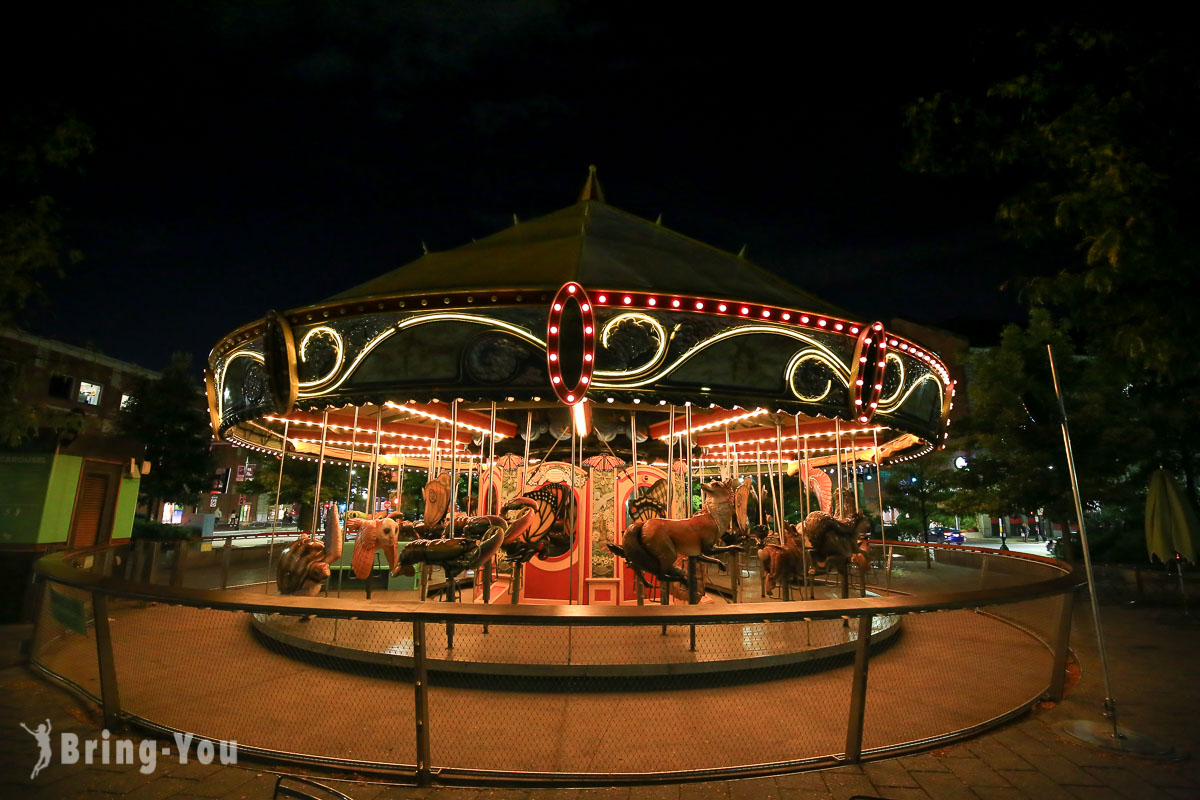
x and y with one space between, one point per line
693 589
758 479
374 480
491 463
571 534
671 464
400 484
434 470
779 464
854 467
349 482
320 473
839 510
274 522
878 480
514 586
633 493
451 583
806 506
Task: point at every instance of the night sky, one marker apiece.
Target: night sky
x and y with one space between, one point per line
267 155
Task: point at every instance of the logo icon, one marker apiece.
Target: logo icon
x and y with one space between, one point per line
42 734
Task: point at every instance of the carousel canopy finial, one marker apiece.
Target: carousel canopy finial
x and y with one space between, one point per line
591 188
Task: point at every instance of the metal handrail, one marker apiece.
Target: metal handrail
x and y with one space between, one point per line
55 568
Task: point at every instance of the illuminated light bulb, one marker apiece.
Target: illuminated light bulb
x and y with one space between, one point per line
867 340
894 342
877 326
766 313
608 400
722 307
883 345
602 299
587 356
858 402
854 329
554 356
804 318
626 299
637 400
838 326
585 307
553 329
699 306
745 310
587 329
878 386
570 398
881 363
556 379
675 303
822 322
858 382
558 306
786 316
571 289
862 360
874 405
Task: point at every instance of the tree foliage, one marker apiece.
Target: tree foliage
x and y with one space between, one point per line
35 152
168 414
1091 136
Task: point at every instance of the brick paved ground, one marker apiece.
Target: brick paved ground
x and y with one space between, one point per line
1153 653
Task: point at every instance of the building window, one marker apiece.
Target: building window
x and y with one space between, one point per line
126 400
89 393
60 386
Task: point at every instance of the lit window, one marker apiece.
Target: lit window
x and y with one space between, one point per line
89 393
126 400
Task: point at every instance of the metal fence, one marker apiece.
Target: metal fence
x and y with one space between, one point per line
948 641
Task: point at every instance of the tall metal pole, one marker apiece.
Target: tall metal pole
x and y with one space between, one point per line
804 593
779 462
433 471
491 463
671 463
1110 704
758 479
687 421
571 534
525 464
729 455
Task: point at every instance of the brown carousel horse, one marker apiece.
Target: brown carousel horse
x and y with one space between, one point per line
654 545
833 545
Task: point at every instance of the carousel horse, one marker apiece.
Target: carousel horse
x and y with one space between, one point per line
303 567
654 545
833 545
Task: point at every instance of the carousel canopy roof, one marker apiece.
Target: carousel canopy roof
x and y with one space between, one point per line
594 244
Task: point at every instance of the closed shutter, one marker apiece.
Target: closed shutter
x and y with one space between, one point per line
89 511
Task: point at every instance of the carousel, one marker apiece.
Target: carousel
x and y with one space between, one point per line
601 411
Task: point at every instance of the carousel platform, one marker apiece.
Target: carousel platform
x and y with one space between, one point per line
567 651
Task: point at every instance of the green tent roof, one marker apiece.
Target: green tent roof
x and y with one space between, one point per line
600 247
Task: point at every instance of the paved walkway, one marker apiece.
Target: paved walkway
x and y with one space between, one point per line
1153 654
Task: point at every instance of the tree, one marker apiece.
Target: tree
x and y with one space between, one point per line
169 415
1090 136
918 491
34 153
1018 463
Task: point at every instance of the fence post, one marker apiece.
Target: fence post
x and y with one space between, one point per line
181 554
109 697
225 556
983 571
421 691
1058 672
858 690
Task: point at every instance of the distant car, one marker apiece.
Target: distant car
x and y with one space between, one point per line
940 533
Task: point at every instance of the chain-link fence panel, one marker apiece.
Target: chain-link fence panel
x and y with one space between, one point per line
950 671
212 673
65 639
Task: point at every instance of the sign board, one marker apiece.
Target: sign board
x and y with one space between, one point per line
205 547
212 501
241 473
68 611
